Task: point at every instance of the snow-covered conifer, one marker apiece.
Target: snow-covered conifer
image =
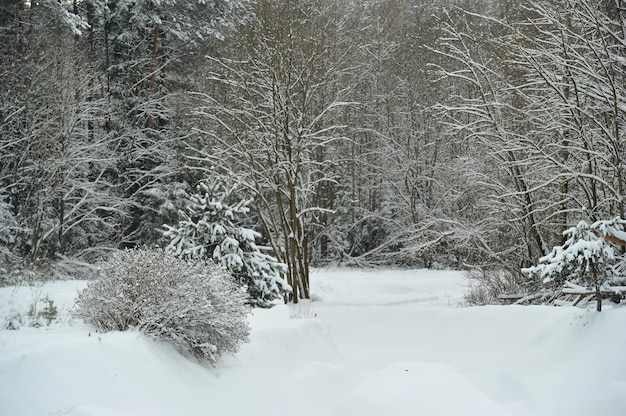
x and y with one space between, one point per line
210 227
585 259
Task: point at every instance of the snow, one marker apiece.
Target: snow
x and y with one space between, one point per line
390 342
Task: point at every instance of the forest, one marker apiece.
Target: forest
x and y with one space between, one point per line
457 134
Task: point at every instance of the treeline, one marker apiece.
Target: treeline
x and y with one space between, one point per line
93 119
415 133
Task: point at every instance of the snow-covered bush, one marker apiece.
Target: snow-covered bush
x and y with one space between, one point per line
585 259
194 305
210 227
494 286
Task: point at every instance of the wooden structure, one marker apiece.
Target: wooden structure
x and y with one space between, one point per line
615 240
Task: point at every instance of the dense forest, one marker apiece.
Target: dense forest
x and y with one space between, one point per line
421 133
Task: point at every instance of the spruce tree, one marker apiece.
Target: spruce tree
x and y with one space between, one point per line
210 226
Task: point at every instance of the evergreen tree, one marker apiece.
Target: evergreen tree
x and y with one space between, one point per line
210 227
585 259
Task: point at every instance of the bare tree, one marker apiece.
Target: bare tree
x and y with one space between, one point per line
547 113
55 172
574 58
273 114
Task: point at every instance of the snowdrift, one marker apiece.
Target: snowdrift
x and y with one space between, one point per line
373 343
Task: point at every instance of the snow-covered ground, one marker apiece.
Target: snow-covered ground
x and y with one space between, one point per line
372 343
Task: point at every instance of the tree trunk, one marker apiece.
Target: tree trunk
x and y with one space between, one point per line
297 249
16 33
153 68
598 293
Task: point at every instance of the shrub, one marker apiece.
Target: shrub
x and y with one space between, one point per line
193 305
489 286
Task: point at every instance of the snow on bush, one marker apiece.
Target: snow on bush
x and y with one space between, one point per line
494 286
209 228
194 305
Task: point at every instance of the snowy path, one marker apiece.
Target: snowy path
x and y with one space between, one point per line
378 343
416 348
